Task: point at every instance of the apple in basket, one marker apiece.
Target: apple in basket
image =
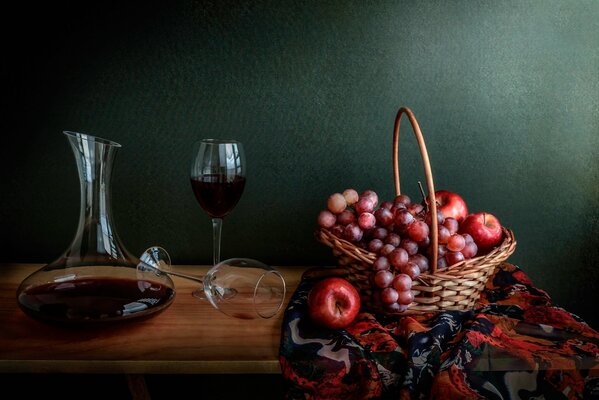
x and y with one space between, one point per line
451 205
333 303
485 230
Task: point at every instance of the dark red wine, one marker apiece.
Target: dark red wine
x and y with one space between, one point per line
217 194
94 299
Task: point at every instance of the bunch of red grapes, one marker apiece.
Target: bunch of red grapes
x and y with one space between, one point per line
398 233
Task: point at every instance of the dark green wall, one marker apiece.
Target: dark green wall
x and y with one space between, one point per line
507 94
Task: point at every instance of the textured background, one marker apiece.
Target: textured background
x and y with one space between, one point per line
507 95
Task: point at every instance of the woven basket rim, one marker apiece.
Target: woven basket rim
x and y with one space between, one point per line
503 251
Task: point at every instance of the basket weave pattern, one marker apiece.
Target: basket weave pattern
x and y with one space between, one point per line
454 288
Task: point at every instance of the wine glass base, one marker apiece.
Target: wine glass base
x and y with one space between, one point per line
199 293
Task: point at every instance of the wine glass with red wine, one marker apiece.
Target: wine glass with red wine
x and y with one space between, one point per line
218 178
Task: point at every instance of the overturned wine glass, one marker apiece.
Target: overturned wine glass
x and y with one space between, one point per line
238 287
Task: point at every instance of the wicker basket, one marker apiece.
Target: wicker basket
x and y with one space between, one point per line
456 287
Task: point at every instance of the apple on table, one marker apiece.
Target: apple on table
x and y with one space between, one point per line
333 303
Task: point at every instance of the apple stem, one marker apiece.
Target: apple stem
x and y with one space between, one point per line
485 218
423 195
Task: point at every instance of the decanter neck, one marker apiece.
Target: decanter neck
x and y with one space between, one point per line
95 237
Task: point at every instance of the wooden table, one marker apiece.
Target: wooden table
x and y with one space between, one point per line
188 337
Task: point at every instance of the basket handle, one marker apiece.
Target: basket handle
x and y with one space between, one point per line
434 234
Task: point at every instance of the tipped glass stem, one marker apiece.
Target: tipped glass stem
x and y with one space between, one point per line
186 276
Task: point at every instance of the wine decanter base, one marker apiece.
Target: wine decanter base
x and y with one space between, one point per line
92 294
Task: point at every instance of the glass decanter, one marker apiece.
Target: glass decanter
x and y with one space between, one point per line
96 280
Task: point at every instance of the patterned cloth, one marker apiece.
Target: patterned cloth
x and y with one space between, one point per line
514 345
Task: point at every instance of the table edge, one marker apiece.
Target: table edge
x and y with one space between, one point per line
140 367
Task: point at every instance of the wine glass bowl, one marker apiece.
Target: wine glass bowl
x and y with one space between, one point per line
218 193
218 175
245 288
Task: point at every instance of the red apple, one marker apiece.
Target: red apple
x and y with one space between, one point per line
333 303
485 230
451 205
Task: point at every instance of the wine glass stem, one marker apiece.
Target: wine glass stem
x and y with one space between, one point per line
217 224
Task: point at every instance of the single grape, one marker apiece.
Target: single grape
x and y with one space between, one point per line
379 233
364 205
387 249
470 250
389 296
442 250
402 198
336 203
393 239
346 217
371 194
467 238
410 246
440 218
418 231
443 234
451 224
387 204
366 220
353 233
456 242
384 216
398 258
406 297
375 245
411 269
421 261
326 219
441 263
402 282
351 196
454 257
380 264
403 218
383 278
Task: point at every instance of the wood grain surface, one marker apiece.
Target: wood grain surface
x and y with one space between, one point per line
188 337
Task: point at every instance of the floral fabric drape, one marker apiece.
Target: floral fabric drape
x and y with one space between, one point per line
515 344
